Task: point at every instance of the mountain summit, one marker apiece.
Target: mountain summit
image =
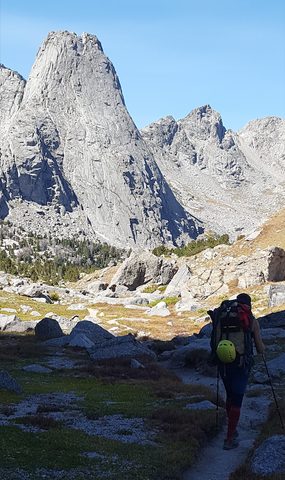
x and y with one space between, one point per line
69 147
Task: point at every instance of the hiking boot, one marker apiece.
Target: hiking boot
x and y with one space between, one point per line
235 435
230 445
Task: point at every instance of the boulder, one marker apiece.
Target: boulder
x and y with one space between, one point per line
206 331
272 333
136 300
76 306
276 295
48 328
4 279
180 278
9 383
135 364
276 366
187 306
97 286
19 326
205 282
80 340
269 457
143 267
120 347
159 309
179 358
66 324
5 320
92 331
272 320
34 291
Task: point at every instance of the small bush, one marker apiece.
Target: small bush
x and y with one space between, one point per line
159 346
168 301
7 411
195 357
150 289
42 422
54 296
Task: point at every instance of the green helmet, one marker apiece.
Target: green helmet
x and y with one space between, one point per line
226 351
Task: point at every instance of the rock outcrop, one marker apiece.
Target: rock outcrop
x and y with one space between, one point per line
143 267
72 146
262 266
269 457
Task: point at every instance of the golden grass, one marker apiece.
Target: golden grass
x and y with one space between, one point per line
272 234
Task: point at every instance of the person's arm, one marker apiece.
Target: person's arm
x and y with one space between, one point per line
256 335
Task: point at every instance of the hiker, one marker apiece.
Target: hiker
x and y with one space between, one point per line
234 326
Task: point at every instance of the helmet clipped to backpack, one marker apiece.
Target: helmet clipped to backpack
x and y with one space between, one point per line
226 351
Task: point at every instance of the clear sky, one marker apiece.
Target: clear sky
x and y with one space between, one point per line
171 56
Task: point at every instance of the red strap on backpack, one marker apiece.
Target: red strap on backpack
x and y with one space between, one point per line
244 313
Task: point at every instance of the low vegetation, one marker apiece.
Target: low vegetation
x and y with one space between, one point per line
192 248
43 444
51 259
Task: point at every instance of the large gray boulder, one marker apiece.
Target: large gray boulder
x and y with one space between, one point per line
19 326
179 358
180 278
160 309
92 331
269 457
276 366
9 383
276 295
34 291
143 267
48 328
272 320
121 347
6 320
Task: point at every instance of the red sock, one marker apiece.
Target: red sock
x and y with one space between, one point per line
233 421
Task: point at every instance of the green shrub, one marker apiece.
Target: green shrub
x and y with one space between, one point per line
168 301
150 289
54 296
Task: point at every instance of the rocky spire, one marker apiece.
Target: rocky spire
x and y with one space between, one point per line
72 143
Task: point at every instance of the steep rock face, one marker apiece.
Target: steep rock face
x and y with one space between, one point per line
72 143
12 87
266 139
200 140
220 174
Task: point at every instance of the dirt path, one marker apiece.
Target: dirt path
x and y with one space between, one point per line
214 463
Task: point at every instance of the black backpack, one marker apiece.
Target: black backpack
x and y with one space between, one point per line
232 321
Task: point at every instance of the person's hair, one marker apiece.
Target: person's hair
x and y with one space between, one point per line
244 298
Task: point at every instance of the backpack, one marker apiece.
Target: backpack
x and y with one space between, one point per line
232 321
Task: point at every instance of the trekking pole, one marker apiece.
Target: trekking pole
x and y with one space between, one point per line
270 381
217 407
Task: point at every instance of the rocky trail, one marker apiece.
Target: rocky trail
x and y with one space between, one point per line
214 463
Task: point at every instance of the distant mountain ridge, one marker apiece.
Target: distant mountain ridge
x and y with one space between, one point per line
230 180
74 163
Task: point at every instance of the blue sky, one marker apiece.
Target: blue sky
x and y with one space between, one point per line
171 56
